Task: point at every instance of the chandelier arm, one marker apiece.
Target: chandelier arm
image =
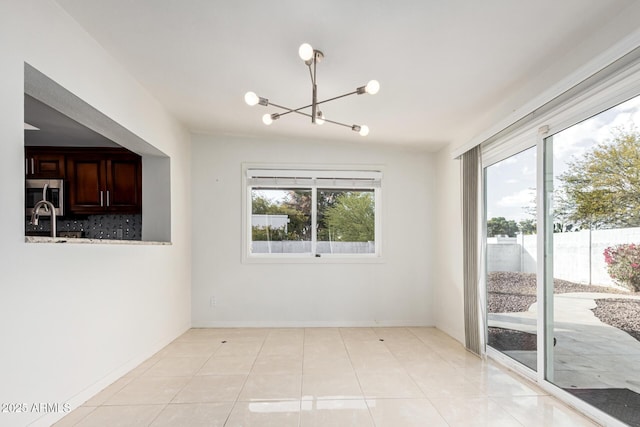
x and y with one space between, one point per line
337 97
311 74
314 88
338 123
289 110
315 72
297 111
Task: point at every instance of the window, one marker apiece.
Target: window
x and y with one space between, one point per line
306 213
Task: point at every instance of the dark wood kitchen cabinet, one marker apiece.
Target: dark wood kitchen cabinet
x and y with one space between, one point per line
104 181
44 163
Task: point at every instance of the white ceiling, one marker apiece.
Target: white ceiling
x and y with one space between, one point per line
442 65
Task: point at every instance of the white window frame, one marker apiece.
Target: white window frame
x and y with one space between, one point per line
369 177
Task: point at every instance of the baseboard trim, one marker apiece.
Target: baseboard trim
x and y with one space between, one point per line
95 388
307 324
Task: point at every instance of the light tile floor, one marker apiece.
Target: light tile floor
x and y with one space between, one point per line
320 377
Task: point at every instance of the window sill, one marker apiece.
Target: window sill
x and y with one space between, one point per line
308 259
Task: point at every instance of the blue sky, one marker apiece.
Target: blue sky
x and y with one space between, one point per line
511 183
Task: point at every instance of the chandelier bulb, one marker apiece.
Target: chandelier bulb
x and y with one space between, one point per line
372 87
251 98
364 130
306 52
266 119
319 118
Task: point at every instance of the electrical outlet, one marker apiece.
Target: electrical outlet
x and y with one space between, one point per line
212 302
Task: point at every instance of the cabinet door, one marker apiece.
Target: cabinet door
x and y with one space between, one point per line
86 177
124 185
41 164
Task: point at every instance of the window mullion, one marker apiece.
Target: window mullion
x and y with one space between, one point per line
314 219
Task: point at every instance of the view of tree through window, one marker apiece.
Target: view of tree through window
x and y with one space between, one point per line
594 182
281 214
601 189
282 220
346 221
345 216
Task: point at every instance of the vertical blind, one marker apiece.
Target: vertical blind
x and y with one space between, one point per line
470 232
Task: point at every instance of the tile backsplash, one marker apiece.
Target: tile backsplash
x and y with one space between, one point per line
112 227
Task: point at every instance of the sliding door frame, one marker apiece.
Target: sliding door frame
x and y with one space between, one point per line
608 88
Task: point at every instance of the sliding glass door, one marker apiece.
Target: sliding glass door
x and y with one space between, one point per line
561 253
592 271
511 252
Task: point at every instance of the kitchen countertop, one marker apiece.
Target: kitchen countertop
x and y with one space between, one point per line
39 239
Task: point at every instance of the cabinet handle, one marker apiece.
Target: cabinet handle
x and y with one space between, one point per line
101 198
26 166
108 198
33 169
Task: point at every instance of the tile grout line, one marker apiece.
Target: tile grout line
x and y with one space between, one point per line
210 357
409 329
159 412
81 419
246 378
304 340
191 377
427 397
366 401
506 411
407 373
355 372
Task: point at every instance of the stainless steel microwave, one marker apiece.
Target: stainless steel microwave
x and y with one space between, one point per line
44 189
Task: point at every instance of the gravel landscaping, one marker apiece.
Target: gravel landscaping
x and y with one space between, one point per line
623 314
510 292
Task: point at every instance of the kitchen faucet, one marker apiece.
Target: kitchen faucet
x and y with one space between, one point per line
35 216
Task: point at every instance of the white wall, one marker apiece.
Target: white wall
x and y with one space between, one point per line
448 279
562 71
74 317
395 292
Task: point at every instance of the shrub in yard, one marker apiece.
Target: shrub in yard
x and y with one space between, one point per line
623 265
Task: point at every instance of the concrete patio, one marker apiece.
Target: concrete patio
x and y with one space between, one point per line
588 352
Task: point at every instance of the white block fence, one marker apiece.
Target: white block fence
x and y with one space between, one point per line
578 256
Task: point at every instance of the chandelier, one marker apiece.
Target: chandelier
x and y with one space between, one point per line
311 58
